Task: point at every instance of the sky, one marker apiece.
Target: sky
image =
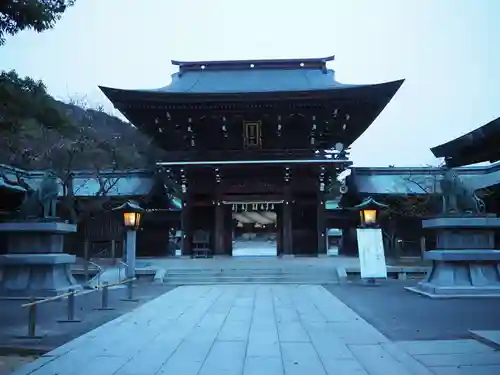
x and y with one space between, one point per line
447 51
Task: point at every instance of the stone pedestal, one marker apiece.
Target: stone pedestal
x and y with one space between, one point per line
35 265
465 263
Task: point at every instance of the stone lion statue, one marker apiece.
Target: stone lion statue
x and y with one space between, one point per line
457 197
47 194
37 203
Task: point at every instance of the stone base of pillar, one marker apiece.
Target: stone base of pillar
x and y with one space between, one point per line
461 274
35 265
36 275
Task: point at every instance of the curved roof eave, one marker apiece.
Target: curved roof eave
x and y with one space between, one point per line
114 94
170 90
475 138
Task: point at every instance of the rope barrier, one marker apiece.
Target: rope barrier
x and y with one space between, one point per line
37 302
74 292
115 284
70 311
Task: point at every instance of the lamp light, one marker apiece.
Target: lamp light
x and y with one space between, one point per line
132 220
368 217
368 212
132 214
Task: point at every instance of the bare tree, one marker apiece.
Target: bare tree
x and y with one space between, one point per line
64 151
98 156
417 197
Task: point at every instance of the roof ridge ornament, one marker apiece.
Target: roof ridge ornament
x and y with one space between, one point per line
307 63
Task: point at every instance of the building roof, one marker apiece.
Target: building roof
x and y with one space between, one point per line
295 95
11 188
253 76
476 146
248 76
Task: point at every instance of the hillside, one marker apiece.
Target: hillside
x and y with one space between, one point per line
39 132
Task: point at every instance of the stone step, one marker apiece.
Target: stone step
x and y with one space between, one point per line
239 271
249 274
236 282
252 276
218 271
222 276
254 279
490 338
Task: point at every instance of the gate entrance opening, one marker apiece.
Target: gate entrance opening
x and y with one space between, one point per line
255 229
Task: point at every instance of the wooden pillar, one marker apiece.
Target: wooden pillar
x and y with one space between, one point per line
279 232
219 242
186 243
86 256
186 215
228 230
321 224
113 251
287 240
219 225
320 212
422 246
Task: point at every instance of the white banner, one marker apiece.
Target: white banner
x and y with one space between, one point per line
371 253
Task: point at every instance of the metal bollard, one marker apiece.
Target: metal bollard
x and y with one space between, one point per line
70 309
86 272
71 305
31 322
130 292
105 298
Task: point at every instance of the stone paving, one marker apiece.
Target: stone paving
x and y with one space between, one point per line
255 330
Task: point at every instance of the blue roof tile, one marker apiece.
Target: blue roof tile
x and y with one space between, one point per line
252 76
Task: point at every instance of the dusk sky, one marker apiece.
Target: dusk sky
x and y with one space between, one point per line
447 50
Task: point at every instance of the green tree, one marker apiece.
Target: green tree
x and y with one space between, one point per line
38 15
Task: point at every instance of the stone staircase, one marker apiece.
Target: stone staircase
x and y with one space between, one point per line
250 276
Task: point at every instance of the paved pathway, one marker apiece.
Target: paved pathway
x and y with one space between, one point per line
250 330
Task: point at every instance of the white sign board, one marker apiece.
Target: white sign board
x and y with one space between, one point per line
371 253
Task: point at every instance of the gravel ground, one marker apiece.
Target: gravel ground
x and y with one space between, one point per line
402 315
10 362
